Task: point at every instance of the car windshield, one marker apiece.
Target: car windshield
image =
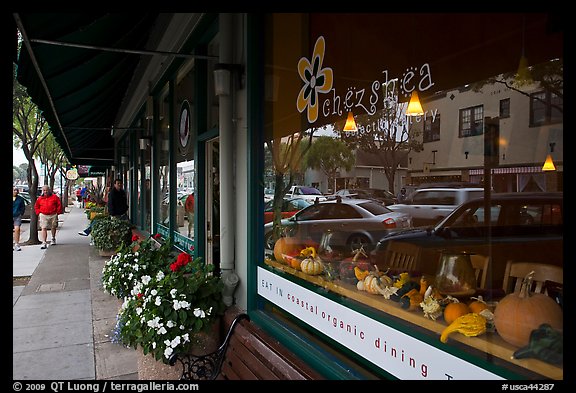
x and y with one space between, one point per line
309 191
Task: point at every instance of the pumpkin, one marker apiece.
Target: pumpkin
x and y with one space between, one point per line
312 266
454 310
519 313
288 246
477 305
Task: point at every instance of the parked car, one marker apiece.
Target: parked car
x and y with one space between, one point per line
382 196
353 222
427 206
309 193
28 208
521 226
289 208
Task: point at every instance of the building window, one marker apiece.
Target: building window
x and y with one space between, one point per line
471 121
432 129
505 108
545 108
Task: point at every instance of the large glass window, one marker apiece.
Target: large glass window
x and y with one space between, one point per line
359 272
163 138
186 121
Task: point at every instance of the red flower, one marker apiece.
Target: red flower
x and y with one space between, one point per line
182 260
139 295
135 238
157 236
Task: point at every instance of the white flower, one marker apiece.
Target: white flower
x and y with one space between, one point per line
162 330
173 292
159 275
153 344
186 337
153 292
199 313
146 279
170 324
138 310
154 322
175 342
158 301
167 352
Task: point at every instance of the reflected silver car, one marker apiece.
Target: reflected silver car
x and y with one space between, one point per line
352 222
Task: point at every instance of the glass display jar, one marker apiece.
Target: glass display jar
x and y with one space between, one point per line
455 274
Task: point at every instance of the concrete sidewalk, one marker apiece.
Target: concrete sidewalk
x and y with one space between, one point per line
62 319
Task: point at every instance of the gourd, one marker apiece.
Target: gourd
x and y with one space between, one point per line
519 313
470 325
285 246
312 265
477 305
454 310
375 282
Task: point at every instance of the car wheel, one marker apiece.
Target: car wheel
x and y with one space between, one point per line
357 240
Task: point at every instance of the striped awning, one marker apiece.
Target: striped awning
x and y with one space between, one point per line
499 171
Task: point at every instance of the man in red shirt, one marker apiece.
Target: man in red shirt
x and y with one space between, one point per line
47 207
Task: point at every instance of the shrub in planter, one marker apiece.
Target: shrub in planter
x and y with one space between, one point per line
110 233
126 268
167 312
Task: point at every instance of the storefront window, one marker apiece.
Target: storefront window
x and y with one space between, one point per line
185 116
163 138
358 270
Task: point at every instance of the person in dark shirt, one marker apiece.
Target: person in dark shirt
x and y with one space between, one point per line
118 201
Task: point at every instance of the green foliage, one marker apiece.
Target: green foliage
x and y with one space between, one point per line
167 310
111 233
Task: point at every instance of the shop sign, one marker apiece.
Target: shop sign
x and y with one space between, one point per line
396 352
318 80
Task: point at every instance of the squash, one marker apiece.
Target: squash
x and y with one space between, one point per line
290 246
477 305
454 310
312 266
470 325
519 313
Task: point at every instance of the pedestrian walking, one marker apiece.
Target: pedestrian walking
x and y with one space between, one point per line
47 208
18 207
118 201
189 208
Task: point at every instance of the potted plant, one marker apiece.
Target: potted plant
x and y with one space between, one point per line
173 310
109 234
133 261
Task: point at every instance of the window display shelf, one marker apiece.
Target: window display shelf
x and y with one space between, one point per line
490 343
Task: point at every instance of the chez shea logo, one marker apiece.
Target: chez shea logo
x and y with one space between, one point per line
318 80
397 353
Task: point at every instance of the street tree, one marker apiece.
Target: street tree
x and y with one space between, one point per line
29 130
287 157
388 134
330 155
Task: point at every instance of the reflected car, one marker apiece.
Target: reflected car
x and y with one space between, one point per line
289 208
28 209
382 196
520 226
354 223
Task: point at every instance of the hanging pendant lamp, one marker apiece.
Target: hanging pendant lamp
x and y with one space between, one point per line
350 125
414 106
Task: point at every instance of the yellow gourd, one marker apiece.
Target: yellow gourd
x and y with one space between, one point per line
470 325
360 274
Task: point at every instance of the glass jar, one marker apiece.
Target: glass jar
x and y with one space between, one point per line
455 275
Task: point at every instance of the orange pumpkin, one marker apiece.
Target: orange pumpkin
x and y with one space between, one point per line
477 305
519 313
288 246
454 310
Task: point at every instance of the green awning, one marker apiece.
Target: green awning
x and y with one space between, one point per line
80 89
